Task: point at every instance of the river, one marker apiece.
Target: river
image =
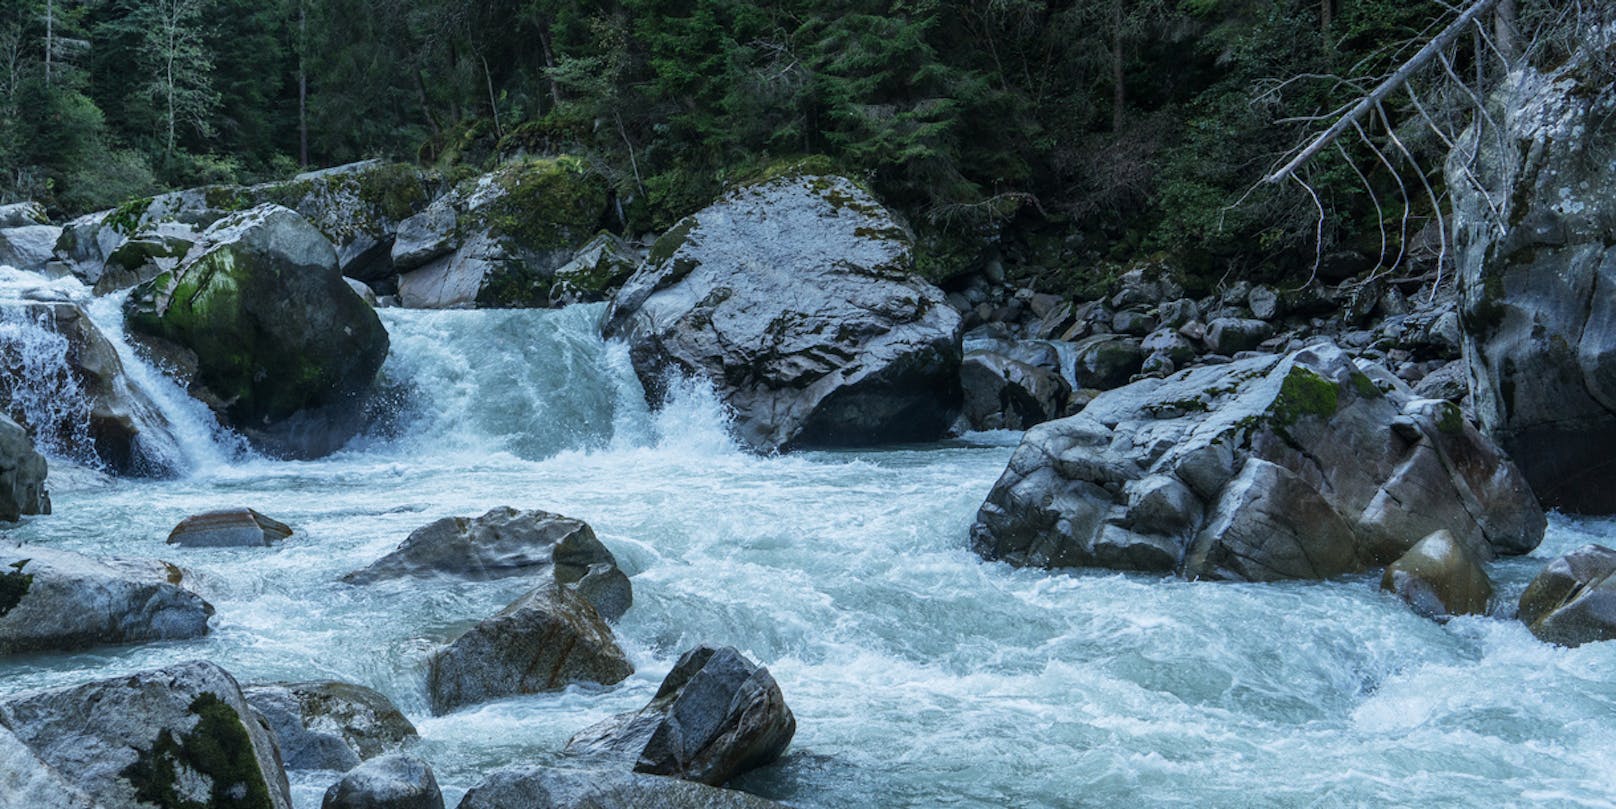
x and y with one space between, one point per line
920 676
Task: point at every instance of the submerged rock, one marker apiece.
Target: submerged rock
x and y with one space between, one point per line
329 725
794 298
69 388
53 599
230 528
544 641
499 240
554 788
1573 600
22 474
181 736
1300 466
1439 577
1535 245
284 349
389 782
506 542
716 716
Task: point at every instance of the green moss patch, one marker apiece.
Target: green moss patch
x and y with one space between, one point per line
218 748
1304 393
126 218
548 203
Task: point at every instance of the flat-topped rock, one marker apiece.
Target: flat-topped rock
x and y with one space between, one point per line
228 528
56 600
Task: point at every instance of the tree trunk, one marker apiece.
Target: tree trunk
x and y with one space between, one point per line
302 84
1507 32
1119 90
50 37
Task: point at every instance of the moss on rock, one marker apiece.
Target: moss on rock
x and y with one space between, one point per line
212 766
1305 393
546 203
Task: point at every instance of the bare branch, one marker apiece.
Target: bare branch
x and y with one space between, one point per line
1368 103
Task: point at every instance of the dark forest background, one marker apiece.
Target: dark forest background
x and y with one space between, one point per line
1132 128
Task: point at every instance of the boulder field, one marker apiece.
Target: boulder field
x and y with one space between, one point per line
1301 466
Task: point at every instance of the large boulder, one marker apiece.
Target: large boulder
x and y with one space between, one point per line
29 247
283 348
67 385
1573 600
53 599
499 240
228 528
794 298
390 782
22 474
535 787
85 243
1439 577
507 542
716 716
329 725
1272 467
1536 249
543 641
181 736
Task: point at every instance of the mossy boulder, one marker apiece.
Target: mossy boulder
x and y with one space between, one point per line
795 298
359 207
1301 466
498 240
22 214
181 737
151 252
1439 577
1535 239
22 474
284 349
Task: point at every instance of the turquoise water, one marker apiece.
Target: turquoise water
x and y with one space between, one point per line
920 676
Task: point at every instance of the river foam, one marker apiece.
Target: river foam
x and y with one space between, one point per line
920 676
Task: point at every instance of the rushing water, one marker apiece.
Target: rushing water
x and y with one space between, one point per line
919 675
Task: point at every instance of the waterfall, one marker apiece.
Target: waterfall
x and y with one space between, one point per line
173 434
527 383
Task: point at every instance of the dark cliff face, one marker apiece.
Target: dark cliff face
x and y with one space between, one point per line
1536 225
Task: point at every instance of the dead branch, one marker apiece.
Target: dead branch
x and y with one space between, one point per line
1398 78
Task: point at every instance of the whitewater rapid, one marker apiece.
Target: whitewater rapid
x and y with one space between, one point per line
919 675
